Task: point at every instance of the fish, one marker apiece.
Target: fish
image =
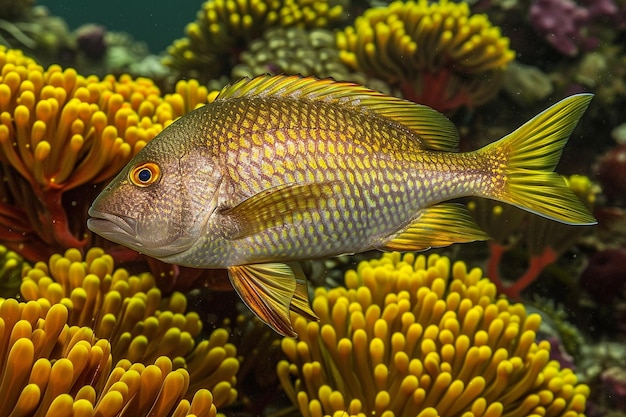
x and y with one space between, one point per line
281 169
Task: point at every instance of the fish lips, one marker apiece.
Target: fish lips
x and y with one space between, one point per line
114 227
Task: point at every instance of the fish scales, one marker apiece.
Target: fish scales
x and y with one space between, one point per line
285 168
377 186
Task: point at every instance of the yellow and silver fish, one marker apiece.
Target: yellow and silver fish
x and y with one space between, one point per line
280 169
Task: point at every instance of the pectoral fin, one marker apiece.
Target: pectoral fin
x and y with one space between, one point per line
436 226
271 290
275 207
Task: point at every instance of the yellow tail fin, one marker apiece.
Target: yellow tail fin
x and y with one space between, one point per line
530 155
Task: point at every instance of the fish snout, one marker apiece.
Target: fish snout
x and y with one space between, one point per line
115 227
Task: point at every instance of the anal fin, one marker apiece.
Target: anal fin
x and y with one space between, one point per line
300 301
436 226
271 290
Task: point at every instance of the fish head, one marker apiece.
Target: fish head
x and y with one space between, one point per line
160 203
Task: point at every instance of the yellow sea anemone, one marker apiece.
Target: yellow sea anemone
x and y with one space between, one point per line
61 132
224 26
51 368
411 336
128 311
10 272
438 53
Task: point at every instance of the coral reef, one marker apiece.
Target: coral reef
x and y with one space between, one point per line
292 51
90 48
614 379
15 9
224 27
560 22
125 55
86 338
298 51
61 134
94 338
565 338
35 30
437 54
611 173
604 278
91 40
602 300
565 24
526 84
604 365
420 337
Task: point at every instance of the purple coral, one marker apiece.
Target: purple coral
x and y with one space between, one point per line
91 40
614 379
605 276
601 8
563 23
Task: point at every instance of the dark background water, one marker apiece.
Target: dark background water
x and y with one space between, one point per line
158 23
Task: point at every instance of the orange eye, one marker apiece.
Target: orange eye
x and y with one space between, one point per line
145 174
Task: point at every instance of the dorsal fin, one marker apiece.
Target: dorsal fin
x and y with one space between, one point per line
434 129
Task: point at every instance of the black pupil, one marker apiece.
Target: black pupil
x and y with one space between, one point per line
144 175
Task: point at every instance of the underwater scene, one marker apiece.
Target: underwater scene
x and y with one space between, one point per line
313 208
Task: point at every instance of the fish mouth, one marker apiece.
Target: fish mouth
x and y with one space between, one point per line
114 227
124 231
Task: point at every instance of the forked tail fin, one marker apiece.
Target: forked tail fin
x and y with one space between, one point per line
527 157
